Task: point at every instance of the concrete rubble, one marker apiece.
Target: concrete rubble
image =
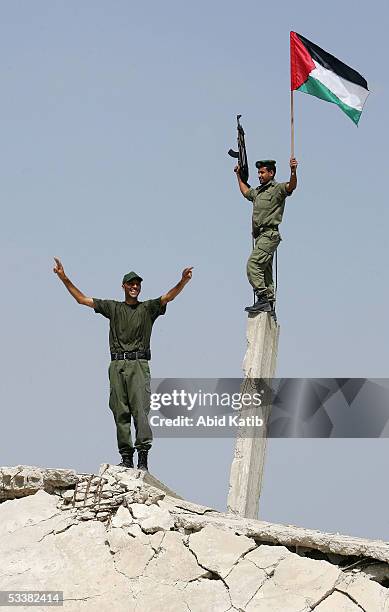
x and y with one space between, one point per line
121 540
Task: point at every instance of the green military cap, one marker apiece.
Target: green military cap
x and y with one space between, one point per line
127 278
265 162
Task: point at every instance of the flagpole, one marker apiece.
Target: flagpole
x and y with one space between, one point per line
291 124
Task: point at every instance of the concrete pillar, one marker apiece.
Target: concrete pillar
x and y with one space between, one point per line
249 457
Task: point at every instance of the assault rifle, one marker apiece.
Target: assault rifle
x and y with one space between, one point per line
241 154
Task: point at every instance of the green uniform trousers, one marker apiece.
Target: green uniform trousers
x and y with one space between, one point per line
260 263
129 398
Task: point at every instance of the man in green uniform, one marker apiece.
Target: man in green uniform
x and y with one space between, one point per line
131 324
268 208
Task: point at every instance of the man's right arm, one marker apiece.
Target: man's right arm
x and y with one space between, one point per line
76 293
242 186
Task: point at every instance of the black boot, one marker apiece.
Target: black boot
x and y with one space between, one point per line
127 460
261 305
142 460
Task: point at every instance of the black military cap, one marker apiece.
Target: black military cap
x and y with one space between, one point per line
269 163
127 278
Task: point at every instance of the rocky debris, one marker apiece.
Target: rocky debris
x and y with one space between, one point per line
122 518
136 479
21 480
152 518
93 496
135 531
113 490
117 541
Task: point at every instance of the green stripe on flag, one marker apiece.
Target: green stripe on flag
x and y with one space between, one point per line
315 88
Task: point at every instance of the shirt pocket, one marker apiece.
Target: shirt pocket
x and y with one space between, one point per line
262 206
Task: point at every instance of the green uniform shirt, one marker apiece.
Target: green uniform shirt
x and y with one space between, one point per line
268 204
130 326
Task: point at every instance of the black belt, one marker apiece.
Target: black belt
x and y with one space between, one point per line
264 228
131 355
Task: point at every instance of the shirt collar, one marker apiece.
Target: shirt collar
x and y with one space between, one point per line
268 184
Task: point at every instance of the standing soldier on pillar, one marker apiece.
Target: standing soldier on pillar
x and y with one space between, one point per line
131 324
268 208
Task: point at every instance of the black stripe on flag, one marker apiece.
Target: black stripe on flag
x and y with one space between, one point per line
332 63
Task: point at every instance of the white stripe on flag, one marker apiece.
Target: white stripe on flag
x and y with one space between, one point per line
349 93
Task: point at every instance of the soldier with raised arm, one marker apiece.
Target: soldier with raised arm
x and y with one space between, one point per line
131 323
268 208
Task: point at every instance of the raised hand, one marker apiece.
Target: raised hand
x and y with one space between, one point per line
293 163
58 268
187 274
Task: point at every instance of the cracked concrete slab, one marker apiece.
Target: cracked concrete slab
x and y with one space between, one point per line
287 535
20 539
99 603
76 561
371 596
28 511
174 562
244 581
117 539
270 598
153 596
205 595
300 575
156 540
132 560
218 550
135 531
193 559
267 557
88 566
337 602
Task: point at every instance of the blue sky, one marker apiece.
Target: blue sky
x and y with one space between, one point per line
115 120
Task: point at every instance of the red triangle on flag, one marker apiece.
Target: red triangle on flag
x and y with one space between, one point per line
301 63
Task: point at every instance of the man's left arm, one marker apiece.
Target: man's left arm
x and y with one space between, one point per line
170 295
292 184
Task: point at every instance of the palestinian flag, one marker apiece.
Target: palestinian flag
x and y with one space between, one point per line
316 72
